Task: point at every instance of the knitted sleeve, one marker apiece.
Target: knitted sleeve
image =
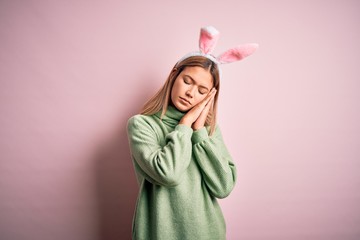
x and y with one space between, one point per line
217 166
162 165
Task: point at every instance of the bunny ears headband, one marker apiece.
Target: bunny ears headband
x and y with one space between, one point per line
207 42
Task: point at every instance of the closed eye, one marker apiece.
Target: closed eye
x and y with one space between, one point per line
202 92
186 81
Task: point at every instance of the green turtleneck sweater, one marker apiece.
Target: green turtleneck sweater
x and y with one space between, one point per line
181 174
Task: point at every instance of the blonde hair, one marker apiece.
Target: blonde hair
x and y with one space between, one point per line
161 99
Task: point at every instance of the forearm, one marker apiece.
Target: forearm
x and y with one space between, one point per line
215 161
164 164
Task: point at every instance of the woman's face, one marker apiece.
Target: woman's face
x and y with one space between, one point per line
190 87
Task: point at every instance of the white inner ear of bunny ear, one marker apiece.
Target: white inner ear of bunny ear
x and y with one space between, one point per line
211 30
208 39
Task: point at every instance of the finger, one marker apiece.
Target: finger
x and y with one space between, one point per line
210 101
205 112
212 97
202 104
212 92
209 104
209 96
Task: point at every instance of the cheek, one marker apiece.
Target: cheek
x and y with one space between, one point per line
200 98
181 88
173 93
177 86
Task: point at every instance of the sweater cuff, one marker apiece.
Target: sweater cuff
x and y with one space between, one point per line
185 129
199 135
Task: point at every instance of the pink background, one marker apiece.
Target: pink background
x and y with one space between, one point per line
73 72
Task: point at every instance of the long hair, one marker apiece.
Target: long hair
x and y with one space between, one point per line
162 98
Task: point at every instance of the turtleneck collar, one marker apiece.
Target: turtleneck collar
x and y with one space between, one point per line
172 115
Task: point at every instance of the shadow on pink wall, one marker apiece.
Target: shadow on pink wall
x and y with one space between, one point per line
116 184
116 187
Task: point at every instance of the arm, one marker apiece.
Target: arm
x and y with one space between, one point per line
162 165
217 166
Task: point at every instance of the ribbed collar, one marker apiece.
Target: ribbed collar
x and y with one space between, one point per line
172 116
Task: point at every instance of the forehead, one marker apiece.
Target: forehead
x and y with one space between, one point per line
200 75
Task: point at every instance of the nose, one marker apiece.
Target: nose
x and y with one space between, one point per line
190 92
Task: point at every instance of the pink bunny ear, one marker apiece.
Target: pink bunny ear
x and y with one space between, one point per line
237 53
208 39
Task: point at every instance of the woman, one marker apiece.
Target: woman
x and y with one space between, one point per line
181 162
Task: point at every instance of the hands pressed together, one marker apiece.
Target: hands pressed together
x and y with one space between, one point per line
196 117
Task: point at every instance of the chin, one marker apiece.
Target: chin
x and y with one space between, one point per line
181 107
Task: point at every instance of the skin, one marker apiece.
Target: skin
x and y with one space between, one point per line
193 93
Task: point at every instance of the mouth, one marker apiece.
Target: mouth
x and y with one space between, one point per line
184 100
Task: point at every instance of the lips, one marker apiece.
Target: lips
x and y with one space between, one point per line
185 100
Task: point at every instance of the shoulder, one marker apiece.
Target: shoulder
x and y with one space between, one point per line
140 121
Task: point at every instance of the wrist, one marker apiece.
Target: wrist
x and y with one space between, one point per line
185 122
197 127
200 135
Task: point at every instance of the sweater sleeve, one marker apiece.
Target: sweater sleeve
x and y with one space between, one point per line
162 165
215 161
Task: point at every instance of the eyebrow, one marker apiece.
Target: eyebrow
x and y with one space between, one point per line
195 81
